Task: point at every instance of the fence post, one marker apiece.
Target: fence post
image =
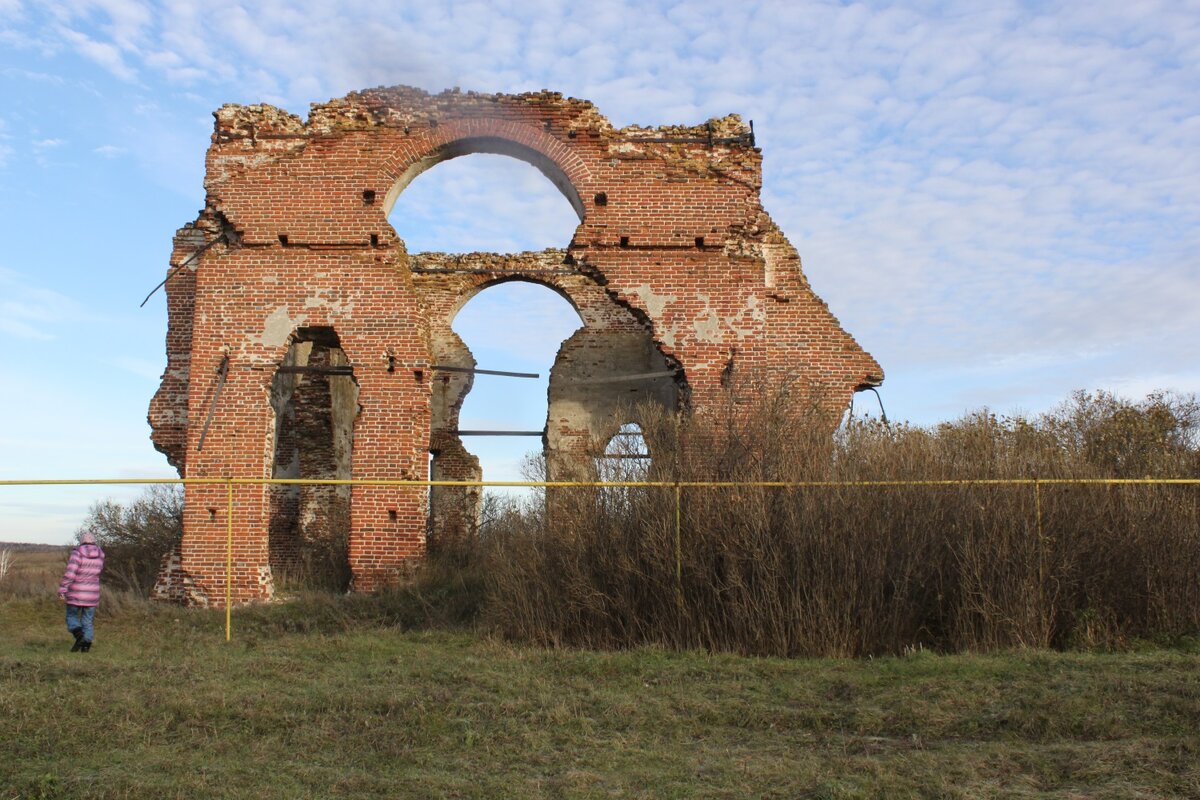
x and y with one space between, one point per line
228 559
1043 588
678 547
1037 506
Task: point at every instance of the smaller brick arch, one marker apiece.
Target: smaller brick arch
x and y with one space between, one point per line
487 282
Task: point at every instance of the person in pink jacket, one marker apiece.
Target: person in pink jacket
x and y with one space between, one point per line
80 590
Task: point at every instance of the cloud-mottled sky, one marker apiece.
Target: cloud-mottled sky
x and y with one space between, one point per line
1001 201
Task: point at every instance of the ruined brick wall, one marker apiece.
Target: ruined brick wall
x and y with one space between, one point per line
676 270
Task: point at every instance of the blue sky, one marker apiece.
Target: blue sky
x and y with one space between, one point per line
1001 201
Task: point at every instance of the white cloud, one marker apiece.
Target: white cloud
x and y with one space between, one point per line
967 184
105 54
31 312
109 151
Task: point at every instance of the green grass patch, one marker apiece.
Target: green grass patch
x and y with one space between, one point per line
330 697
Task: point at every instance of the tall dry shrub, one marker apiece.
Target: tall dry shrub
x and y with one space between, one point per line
137 536
858 561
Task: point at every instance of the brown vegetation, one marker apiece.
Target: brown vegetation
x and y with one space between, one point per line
848 569
137 536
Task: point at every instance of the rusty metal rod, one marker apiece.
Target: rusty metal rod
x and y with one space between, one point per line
498 433
172 273
318 370
222 372
477 371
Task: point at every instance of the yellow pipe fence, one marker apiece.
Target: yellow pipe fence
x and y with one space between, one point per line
1035 483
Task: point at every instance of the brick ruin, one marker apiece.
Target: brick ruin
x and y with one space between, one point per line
304 341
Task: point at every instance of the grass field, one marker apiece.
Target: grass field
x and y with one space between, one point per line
315 700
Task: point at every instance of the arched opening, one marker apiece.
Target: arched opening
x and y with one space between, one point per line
489 145
482 203
496 207
626 457
315 400
513 326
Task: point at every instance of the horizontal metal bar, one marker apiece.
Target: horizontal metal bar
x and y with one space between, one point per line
743 139
288 369
636 376
948 482
477 371
498 433
484 271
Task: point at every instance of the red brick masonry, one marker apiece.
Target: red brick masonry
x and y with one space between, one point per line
674 266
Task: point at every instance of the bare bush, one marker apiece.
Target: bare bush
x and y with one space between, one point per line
136 537
6 562
852 569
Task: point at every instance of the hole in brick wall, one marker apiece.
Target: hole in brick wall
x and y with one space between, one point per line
601 199
624 241
482 202
212 514
419 375
283 239
315 402
546 125
368 196
571 134
490 202
699 241
392 515
374 240
626 458
516 325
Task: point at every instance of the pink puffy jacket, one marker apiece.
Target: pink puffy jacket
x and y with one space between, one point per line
80 584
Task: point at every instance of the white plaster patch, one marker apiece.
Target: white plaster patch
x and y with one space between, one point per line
707 328
654 303
321 300
279 327
758 312
626 148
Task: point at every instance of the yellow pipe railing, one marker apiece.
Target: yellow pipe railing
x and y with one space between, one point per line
678 486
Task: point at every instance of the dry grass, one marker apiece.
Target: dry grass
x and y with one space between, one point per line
353 707
33 570
392 695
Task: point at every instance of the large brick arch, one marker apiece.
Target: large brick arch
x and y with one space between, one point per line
524 142
675 263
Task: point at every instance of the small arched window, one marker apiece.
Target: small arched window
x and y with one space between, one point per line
626 457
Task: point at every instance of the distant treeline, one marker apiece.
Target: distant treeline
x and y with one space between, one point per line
32 547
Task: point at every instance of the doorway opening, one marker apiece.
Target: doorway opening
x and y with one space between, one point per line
315 400
520 325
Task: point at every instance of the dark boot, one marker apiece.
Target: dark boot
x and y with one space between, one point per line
78 634
84 646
